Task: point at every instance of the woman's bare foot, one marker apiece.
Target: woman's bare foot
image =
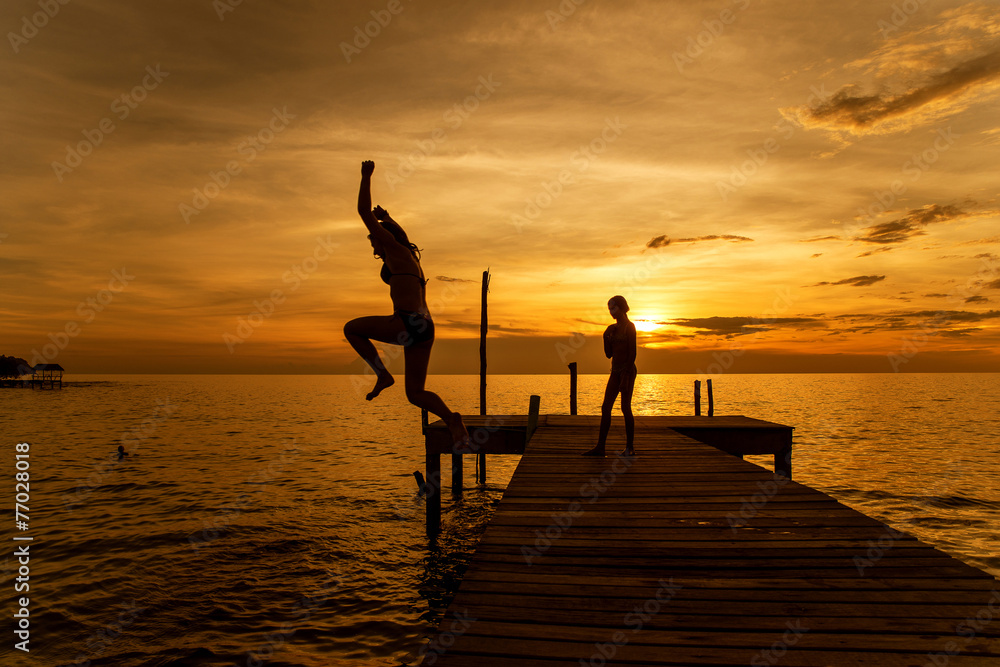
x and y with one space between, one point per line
596 451
628 451
383 382
459 434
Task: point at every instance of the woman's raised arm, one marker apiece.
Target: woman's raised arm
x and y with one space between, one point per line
365 204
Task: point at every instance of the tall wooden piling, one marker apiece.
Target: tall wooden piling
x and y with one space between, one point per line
697 398
572 388
483 328
711 399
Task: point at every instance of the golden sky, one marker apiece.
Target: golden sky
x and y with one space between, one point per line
774 186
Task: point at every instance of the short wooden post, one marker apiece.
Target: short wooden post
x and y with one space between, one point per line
456 474
533 406
783 462
572 388
432 495
711 400
697 398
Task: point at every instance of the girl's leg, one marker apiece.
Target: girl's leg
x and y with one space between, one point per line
610 394
361 331
417 358
628 384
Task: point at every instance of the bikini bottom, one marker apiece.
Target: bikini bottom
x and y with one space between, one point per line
419 328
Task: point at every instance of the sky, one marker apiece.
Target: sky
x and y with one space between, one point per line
789 186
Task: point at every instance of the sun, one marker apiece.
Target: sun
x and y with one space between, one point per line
646 325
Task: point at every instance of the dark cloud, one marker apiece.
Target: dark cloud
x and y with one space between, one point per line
820 238
738 325
933 295
872 252
856 281
664 240
446 279
976 299
954 315
850 109
993 285
911 224
959 333
818 254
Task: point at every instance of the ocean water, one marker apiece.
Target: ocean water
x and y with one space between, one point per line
273 520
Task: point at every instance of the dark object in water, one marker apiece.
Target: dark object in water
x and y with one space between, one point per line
420 482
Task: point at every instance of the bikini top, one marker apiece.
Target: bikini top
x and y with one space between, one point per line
387 275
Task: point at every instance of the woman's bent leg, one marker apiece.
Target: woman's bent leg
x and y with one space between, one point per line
361 331
417 358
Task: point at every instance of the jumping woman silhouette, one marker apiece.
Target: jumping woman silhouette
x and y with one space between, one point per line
410 324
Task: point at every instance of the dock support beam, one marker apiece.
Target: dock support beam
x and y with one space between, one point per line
456 474
432 493
783 462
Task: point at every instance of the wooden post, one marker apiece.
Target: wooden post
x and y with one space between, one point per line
456 474
783 462
572 388
533 405
432 497
711 399
697 398
483 328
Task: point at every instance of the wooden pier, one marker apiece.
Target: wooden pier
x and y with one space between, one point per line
688 555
